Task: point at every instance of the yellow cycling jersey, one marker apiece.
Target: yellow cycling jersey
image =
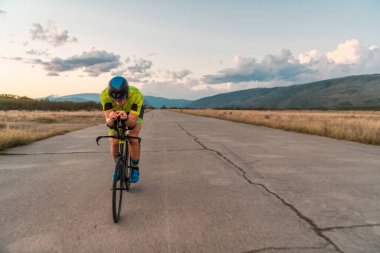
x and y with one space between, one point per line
132 105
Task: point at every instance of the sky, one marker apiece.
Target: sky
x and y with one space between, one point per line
183 49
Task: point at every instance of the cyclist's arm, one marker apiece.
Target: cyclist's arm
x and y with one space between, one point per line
109 114
135 110
132 120
108 117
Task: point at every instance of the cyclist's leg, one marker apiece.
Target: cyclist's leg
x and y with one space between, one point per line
134 145
114 143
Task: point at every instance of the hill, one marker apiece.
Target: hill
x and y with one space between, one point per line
158 102
82 97
347 92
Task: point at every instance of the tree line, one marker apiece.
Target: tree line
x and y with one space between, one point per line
14 102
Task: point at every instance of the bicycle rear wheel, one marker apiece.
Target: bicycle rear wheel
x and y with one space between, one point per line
117 192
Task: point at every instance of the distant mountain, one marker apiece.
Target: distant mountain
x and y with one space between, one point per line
83 97
346 92
156 102
159 102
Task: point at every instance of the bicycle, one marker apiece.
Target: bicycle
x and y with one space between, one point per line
123 166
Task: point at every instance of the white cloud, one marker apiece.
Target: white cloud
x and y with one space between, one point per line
349 52
51 34
352 57
359 57
310 57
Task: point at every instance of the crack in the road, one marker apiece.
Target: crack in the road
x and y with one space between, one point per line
313 225
350 227
284 248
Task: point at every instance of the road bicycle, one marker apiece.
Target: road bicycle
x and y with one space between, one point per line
123 166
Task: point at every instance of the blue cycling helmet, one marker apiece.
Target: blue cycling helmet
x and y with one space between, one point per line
118 87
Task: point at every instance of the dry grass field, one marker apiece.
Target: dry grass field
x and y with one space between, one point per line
23 127
358 126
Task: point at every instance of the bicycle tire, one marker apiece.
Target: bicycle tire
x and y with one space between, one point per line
116 186
127 182
127 169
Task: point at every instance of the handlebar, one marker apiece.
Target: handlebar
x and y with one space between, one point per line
116 137
119 123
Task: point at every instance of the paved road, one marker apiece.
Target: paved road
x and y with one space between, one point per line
207 186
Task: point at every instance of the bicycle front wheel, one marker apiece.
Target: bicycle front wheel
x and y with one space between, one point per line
117 192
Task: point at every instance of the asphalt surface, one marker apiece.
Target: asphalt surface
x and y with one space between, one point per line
207 185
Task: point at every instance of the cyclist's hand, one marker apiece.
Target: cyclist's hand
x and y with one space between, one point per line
123 115
113 115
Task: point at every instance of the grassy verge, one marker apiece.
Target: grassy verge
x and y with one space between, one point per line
23 127
358 126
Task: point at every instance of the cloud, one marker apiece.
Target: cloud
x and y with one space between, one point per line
94 63
51 34
140 70
351 57
310 57
2 12
52 74
140 66
37 52
179 75
13 58
356 54
348 52
279 66
135 69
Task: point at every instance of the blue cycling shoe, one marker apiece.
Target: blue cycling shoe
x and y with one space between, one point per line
115 176
135 175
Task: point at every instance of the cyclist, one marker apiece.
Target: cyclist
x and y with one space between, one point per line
120 99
